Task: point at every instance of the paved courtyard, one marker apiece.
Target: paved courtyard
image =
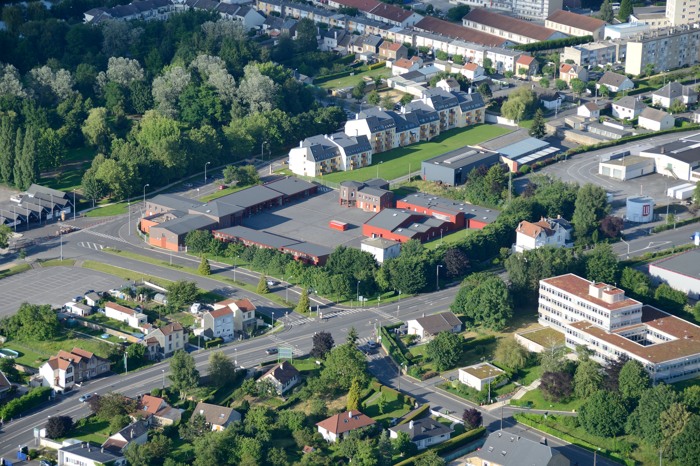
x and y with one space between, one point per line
51 285
308 221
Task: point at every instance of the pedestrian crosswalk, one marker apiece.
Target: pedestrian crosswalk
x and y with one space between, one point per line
105 236
385 316
283 344
294 320
95 246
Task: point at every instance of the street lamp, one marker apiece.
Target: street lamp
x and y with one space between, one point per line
358 291
235 357
286 291
235 264
60 234
273 319
74 206
205 171
262 149
163 370
144 194
378 167
437 276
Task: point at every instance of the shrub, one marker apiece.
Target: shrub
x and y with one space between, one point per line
381 64
429 375
213 343
24 403
415 414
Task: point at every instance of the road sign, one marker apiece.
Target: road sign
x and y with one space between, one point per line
284 353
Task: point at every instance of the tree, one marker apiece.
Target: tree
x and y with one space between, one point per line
182 293
606 11
204 267
403 446
117 423
672 422
527 269
58 426
304 302
611 226
633 380
484 300
306 34
353 403
222 370
384 449
96 129
373 98
344 364
352 336
578 86
7 153
544 83
429 458
556 386
322 344
636 283
5 234
405 99
183 372
587 379
685 448
560 85
112 405
591 206
198 241
625 10
552 358
387 102
645 420
455 14
444 349
262 285
511 354
669 299
538 130
485 90
32 322
677 106
358 92
456 262
520 104
603 414
472 418
601 264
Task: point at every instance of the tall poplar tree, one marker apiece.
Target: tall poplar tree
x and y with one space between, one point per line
7 149
17 168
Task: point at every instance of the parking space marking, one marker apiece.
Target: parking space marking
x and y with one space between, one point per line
95 246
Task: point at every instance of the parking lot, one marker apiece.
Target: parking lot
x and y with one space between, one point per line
52 285
308 221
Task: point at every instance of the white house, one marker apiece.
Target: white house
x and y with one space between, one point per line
478 376
655 120
615 82
78 309
552 101
121 313
381 248
228 318
672 92
63 371
627 108
283 376
472 71
554 232
404 65
429 326
588 110
338 426
424 432
218 417
322 154
88 454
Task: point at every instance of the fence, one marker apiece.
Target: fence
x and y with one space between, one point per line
492 118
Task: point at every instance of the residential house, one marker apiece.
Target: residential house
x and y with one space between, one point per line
507 449
381 248
164 341
63 371
370 44
588 110
218 417
157 412
404 65
555 232
283 376
615 82
5 386
479 376
655 120
88 454
392 51
218 323
92 299
507 27
456 109
472 71
424 432
247 16
146 10
627 108
339 426
135 433
78 309
569 72
672 92
429 326
132 318
574 24
525 66
448 85
332 40
552 101
376 125
229 318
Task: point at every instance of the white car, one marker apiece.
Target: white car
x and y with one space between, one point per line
84 398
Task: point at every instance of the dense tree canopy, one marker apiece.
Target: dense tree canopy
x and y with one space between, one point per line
485 300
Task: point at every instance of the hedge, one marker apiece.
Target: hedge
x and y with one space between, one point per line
553 44
451 444
213 343
330 77
680 223
25 402
530 420
392 348
378 65
416 413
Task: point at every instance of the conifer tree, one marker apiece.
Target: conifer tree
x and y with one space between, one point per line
538 130
7 149
204 267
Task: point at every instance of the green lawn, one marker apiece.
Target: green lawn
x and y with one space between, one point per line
14 270
34 352
27 356
537 401
398 162
109 210
222 193
186 319
351 81
393 407
58 263
452 238
473 351
90 429
545 337
306 365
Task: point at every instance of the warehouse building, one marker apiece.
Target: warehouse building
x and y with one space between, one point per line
680 272
519 148
626 167
453 167
401 225
678 159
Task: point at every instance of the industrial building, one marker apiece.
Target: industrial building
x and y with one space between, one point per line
626 167
507 27
611 325
680 272
459 214
519 148
381 248
370 196
453 167
401 225
678 159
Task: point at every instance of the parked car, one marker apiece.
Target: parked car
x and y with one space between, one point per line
271 283
85 397
222 186
271 351
187 185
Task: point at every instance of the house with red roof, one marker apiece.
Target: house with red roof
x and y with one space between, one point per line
526 66
339 426
63 371
229 318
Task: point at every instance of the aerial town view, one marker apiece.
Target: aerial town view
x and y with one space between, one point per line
349 232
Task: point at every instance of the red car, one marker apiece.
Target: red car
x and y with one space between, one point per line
222 186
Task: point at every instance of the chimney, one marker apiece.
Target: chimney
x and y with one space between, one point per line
410 425
88 447
132 433
201 412
102 450
349 414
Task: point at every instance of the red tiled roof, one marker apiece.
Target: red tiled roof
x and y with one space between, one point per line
525 60
534 229
391 12
578 286
565 68
171 328
82 353
120 308
393 46
362 5
345 422
151 404
509 24
403 63
245 305
567 18
455 31
471 66
216 313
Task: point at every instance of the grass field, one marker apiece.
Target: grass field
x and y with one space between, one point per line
349 81
393 407
90 429
33 353
117 208
398 162
545 337
452 238
58 263
537 401
14 270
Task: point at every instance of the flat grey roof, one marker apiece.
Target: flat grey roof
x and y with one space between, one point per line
92 451
382 243
290 186
499 142
437 203
309 248
257 236
251 196
462 157
175 202
183 225
686 150
687 263
389 219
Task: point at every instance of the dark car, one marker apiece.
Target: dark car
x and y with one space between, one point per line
271 351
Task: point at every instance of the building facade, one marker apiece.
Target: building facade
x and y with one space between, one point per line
573 24
507 27
665 49
530 9
554 232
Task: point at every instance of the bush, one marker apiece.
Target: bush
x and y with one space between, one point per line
415 414
24 403
213 343
381 64
429 375
554 44
524 169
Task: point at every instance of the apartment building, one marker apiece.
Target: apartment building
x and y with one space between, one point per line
576 25
606 321
596 53
666 49
680 12
320 154
530 9
507 27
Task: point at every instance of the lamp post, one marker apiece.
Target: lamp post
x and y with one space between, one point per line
437 276
60 234
128 207
235 264
628 247
273 319
205 171
74 205
378 167
262 150
358 291
286 291
144 195
235 357
163 371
